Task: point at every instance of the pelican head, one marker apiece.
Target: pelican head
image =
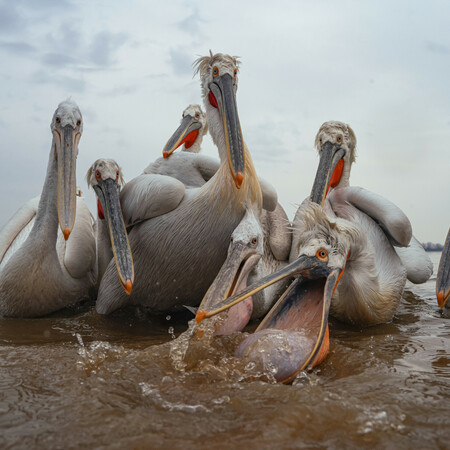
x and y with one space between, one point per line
192 128
67 127
336 144
299 320
106 178
219 80
244 252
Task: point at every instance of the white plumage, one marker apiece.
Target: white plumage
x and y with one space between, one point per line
42 268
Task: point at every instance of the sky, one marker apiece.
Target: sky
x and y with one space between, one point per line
382 67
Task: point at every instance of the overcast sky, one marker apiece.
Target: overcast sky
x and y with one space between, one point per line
383 67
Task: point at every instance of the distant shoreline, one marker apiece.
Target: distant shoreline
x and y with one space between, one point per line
430 247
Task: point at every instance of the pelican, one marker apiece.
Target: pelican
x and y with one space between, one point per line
259 245
344 261
189 166
179 236
43 269
106 178
336 144
443 276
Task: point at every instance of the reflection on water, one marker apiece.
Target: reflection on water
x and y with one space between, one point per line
82 380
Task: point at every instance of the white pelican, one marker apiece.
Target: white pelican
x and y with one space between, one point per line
336 144
189 166
106 178
43 269
443 276
259 246
178 254
355 232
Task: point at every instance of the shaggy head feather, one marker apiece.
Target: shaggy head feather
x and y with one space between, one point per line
108 169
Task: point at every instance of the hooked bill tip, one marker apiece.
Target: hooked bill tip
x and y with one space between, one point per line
165 155
239 179
128 286
66 233
440 299
200 316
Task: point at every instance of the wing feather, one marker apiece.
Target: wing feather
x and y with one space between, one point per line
388 216
148 196
17 229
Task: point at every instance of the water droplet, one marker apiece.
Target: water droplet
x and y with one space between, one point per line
168 317
250 366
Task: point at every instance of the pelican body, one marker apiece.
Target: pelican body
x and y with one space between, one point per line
179 236
43 269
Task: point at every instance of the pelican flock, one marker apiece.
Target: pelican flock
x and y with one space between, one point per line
344 261
194 230
177 253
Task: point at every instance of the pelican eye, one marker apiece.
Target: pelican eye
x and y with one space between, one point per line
117 175
197 115
98 175
78 122
215 71
322 254
320 141
231 239
235 73
58 120
339 139
254 241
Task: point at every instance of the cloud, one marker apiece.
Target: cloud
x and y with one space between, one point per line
192 23
120 90
181 60
17 47
58 59
10 19
81 52
66 83
268 140
104 45
435 47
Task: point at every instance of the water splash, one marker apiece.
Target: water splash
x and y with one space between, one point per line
93 356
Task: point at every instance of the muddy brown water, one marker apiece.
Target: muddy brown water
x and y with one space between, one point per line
79 380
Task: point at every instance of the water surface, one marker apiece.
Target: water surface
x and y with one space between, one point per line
77 380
